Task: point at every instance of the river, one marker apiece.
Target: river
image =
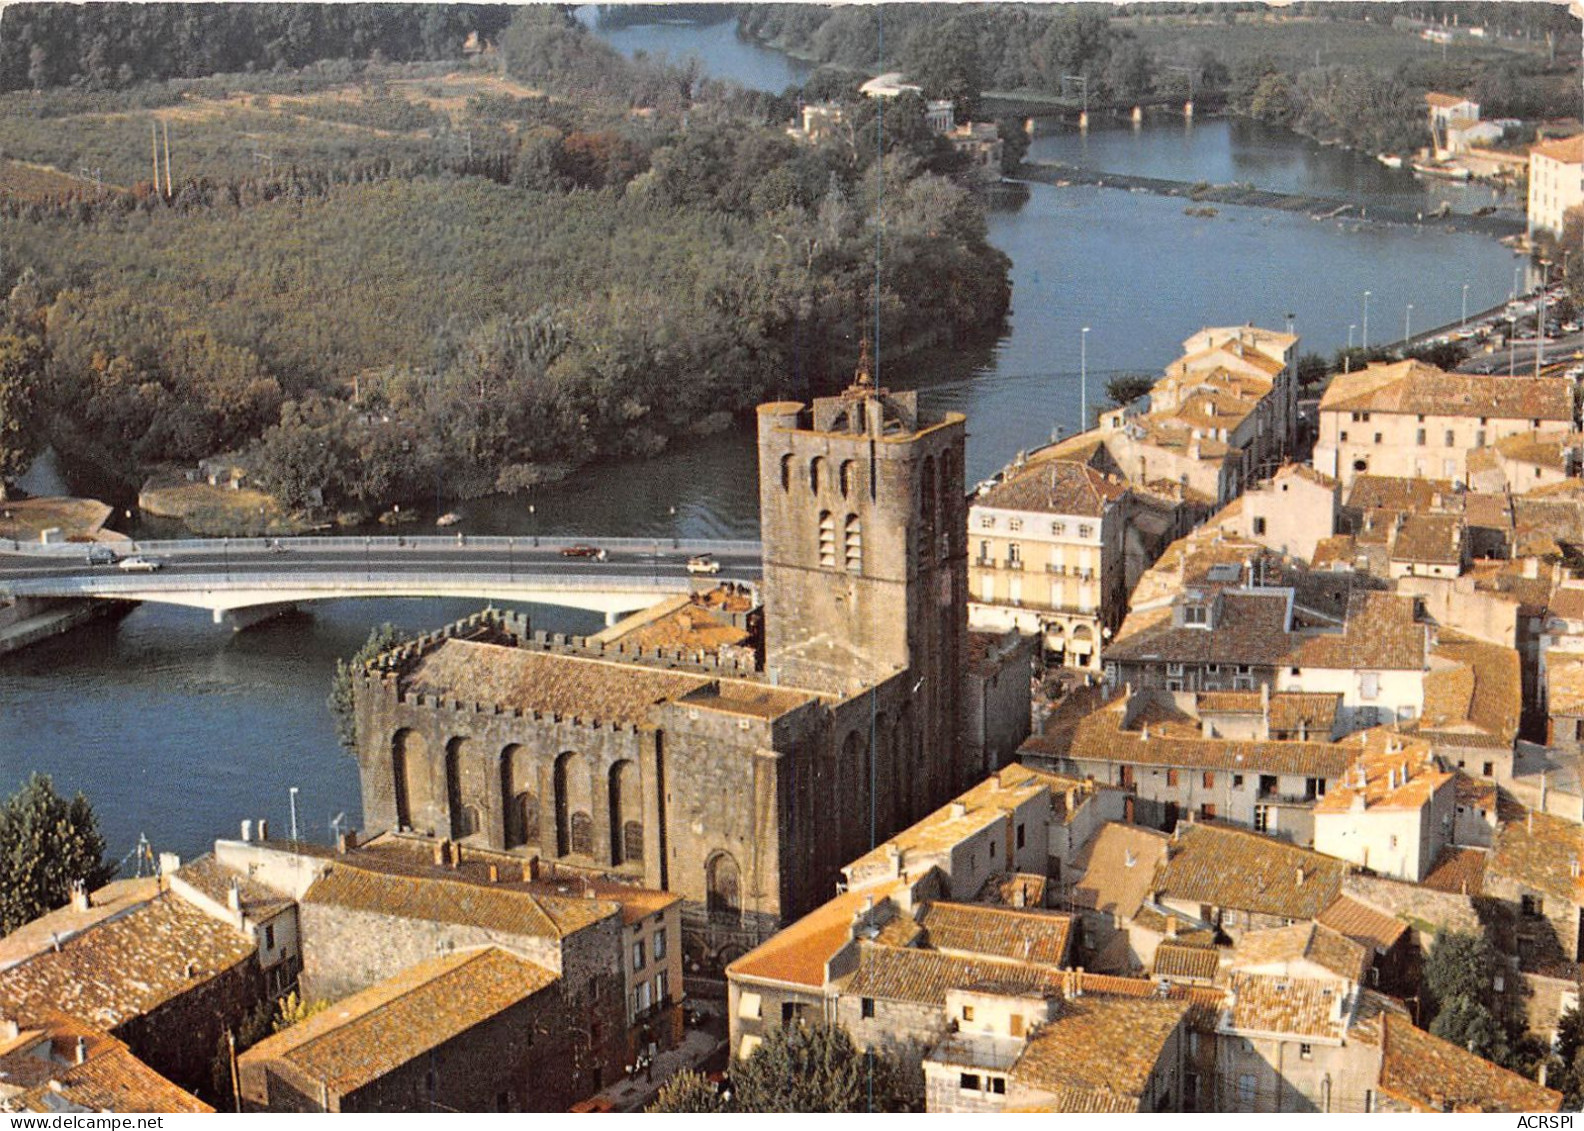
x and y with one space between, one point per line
177 729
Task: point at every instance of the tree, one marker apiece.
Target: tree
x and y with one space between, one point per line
21 358
1470 1025
1128 387
802 1068
341 701
1311 370
688 1093
47 844
1460 965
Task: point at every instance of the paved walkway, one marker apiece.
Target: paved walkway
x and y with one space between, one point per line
636 1092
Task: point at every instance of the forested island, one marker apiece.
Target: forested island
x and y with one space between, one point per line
379 271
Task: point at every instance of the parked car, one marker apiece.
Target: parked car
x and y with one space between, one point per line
102 555
703 563
582 551
139 563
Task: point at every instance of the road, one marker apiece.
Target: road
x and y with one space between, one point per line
235 561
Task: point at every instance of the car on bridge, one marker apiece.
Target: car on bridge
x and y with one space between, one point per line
139 563
102 555
582 551
703 563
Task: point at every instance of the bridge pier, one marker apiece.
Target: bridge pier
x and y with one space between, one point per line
1083 122
240 619
1188 109
1138 115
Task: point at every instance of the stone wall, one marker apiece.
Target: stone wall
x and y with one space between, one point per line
180 1038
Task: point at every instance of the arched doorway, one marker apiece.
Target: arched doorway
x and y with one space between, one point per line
723 883
519 798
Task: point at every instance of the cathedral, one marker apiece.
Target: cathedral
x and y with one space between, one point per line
733 755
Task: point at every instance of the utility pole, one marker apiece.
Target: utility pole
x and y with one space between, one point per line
165 129
154 150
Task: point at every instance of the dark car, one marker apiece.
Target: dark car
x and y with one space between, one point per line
582 551
102 555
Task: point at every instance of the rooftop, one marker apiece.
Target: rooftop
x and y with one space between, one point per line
440 898
1413 387
1568 150
1302 942
1391 771
1430 1074
1117 868
1058 486
1431 539
797 955
1275 1003
925 976
1565 683
363 1037
1100 1043
1363 923
127 966
1178 960
966 928
39 1072
1230 868
577 686
1541 852
114 899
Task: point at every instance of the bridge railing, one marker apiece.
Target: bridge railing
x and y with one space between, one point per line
724 547
350 583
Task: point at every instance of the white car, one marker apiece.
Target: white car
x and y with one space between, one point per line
703 563
138 563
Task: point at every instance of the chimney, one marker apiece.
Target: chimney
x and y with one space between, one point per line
1019 896
247 832
346 841
1300 875
494 874
1531 568
456 855
190 969
80 899
82 1050
9 1030
234 896
263 829
440 854
958 809
1171 926
169 863
531 869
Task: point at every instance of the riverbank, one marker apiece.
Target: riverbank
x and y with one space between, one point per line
1062 174
28 620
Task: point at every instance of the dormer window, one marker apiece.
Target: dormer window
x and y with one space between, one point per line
1196 615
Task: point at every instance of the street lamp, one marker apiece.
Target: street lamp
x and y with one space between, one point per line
294 814
675 540
1463 325
1408 326
1083 380
511 562
225 554
533 525
1516 272
1364 337
1545 282
1512 343
1347 358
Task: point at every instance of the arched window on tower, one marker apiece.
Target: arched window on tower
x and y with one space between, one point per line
849 478
852 537
816 473
786 472
827 540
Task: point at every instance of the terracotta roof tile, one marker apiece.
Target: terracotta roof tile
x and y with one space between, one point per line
1413 387
1381 632
1390 771
115 898
1230 868
1430 1074
1400 494
127 966
1176 960
797 955
925 976
442 899
1109 1044
1302 1007
38 1072
1064 487
1430 539
363 1037
1117 867
1565 683
1363 924
1311 942
1541 852
965 928
1568 150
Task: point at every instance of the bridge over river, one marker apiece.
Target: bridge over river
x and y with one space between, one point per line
244 580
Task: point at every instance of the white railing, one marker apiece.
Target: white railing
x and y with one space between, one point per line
723 547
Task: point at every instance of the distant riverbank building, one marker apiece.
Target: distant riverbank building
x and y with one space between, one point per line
739 777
